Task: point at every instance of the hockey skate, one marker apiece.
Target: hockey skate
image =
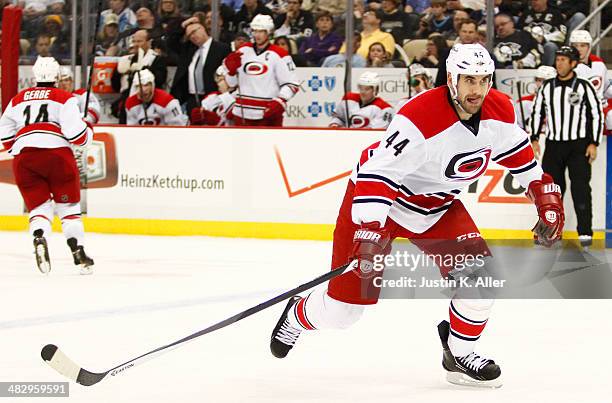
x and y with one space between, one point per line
469 370
586 241
41 251
84 262
284 335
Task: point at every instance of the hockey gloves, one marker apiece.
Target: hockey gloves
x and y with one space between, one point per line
275 108
546 195
201 116
232 62
369 240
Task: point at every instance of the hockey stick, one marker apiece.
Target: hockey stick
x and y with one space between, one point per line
520 95
53 356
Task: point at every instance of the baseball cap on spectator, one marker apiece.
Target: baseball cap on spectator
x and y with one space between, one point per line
111 18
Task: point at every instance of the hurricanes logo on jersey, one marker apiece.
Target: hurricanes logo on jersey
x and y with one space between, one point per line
467 166
358 121
255 68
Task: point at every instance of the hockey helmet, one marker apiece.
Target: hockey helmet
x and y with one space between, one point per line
46 70
262 22
144 77
471 59
581 36
569 51
417 69
369 79
546 72
65 73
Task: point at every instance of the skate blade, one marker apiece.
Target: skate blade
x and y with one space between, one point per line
457 378
85 270
43 265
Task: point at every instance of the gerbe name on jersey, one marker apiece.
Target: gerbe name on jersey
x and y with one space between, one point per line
36 95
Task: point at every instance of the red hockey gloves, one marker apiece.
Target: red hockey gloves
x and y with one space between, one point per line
546 195
369 240
275 108
232 62
201 116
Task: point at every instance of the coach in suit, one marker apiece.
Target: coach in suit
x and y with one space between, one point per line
199 58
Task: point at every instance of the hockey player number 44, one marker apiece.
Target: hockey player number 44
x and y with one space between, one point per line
399 146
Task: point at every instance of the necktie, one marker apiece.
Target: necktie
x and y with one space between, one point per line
198 72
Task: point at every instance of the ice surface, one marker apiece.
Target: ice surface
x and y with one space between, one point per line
149 291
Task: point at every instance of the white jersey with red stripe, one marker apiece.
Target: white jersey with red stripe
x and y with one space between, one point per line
522 110
262 77
93 108
428 156
376 114
43 117
163 109
596 72
221 104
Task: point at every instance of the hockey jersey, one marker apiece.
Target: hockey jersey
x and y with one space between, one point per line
428 156
43 117
597 73
221 104
522 110
93 108
376 114
163 109
262 77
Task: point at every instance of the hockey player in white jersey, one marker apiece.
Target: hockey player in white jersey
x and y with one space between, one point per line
264 75
66 83
419 80
406 186
524 105
366 110
152 106
591 67
217 107
38 128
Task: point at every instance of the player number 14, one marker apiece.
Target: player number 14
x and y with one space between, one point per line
397 147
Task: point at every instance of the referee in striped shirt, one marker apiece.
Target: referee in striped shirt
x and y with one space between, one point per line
573 116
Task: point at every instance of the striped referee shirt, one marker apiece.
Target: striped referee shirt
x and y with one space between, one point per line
570 109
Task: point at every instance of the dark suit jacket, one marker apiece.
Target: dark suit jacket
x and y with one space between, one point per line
216 54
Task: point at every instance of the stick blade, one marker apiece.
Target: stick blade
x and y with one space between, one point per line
60 362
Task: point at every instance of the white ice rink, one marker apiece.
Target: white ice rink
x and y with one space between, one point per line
148 291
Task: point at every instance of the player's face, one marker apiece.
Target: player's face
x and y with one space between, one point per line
471 91
66 84
583 49
366 93
261 37
145 92
564 65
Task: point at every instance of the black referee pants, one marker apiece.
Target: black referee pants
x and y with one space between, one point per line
560 155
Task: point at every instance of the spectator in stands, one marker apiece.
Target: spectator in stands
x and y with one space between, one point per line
152 106
249 9
573 11
278 7
423 31
108 37
127 17
365 108
169 14
323 42
513 48
468 32
129 66
440 21
396 22
234 4
53 26
378 56
458 17
290 46
225 35
417 6
199 58
339 59
42 46
371 33
56 6
435 50
295 24
547 27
